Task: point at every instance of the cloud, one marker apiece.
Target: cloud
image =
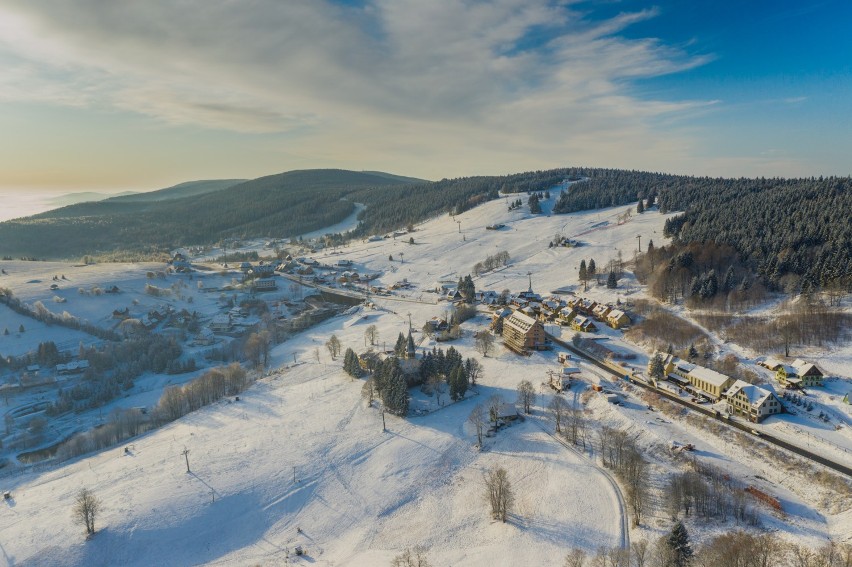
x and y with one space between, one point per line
445 78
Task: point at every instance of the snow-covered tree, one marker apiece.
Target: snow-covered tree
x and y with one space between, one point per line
86 509
526 394
678 541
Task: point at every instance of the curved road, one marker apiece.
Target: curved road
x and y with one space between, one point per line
746 427
625 527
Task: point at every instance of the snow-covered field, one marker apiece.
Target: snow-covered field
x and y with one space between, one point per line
300 459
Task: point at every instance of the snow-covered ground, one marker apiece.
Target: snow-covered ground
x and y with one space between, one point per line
300 459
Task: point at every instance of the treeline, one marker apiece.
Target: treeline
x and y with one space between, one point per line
175 402
115 367
792 232
283 205
491 263
705 274
393 207
41 313
733 549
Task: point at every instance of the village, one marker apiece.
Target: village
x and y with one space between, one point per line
506 302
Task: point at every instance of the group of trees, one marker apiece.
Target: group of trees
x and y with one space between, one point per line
114 367
534 204
491 262
388 382
621 453
706 274
39 312
466 288
213 385
711 494
779 227
587 272
351 365
389 208
731 549
437 367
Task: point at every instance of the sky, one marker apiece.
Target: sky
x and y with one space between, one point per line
115 96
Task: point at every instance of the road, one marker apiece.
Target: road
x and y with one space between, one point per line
745 427
625 527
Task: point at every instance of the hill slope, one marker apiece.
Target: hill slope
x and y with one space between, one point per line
282 205
188 189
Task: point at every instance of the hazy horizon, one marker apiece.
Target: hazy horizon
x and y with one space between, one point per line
149 95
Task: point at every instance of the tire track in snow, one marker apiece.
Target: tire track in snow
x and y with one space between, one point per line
625 527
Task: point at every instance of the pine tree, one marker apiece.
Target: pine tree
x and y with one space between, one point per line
395 392
427 367
467 289
657 370
678 541
409 346
399 348
350 363
729 282
640 207
612 281
592 268
584 273
459 382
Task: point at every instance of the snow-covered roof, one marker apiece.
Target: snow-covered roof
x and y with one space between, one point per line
754 394
709 376
521 321
802 367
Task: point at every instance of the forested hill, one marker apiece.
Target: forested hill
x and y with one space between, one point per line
277 206
282 205
778 226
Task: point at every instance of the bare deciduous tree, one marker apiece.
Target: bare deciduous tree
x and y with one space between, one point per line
484 342
372 334
526 394
498 490
575 558
333 346
494 403
478 419
86 509
474 370
558 407
368 392
639 553
411 558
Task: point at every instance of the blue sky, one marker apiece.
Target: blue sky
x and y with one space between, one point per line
144 95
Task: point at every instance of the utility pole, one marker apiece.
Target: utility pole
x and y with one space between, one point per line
384 427
639 237
459 223
185 454
409 321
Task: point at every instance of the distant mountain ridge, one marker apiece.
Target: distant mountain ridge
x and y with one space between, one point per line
181 190
281 205
85 197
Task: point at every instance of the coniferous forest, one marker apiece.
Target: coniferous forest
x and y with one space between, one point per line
780 229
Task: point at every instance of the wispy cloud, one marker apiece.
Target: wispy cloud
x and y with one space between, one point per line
458 81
